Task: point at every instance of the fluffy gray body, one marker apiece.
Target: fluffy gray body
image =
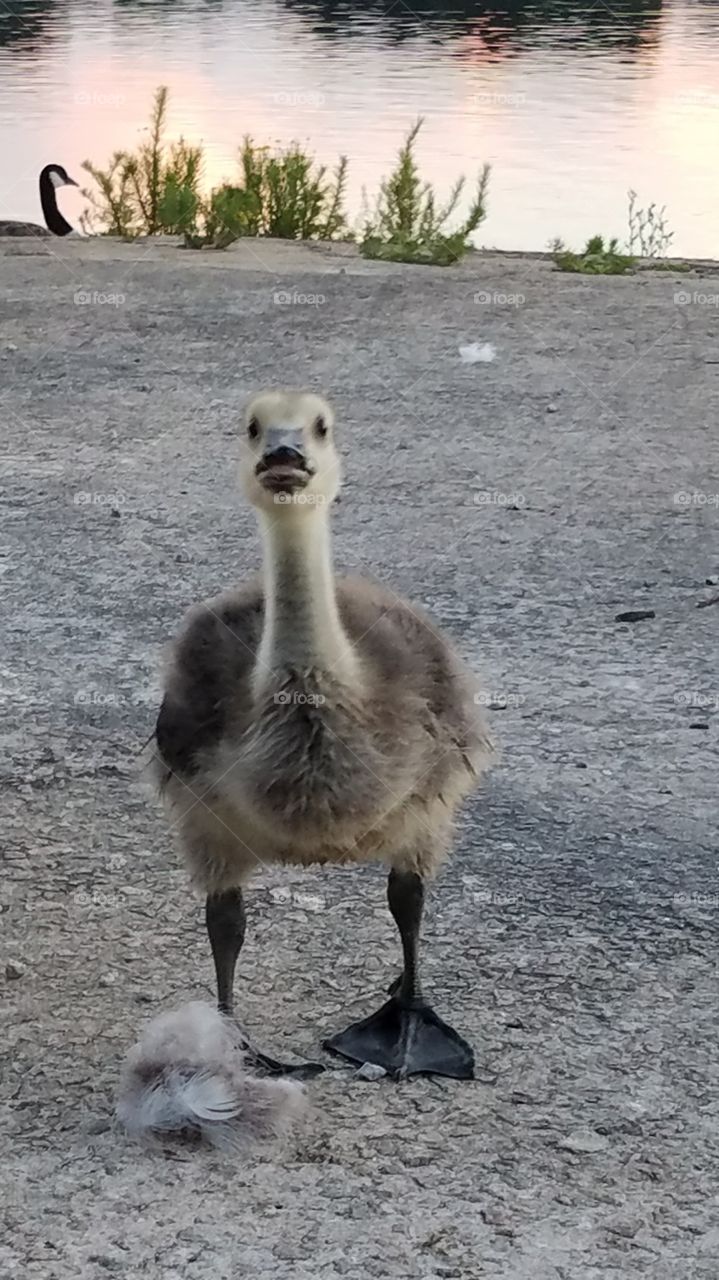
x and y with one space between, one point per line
316 769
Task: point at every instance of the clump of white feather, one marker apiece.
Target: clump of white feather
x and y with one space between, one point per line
190 1070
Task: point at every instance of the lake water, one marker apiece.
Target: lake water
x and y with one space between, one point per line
571 103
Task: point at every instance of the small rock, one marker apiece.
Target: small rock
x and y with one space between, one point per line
585 1140
114 513
635 615
371 1071
98 1126
623 1227
552 408
496 1216
14 970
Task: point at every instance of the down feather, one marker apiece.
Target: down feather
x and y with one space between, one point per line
190 1071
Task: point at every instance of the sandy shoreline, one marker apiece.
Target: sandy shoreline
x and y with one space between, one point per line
526 501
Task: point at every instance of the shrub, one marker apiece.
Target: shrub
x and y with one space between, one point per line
289 197
408 225
150 190
157 189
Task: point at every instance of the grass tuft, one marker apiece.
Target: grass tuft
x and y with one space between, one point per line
598 258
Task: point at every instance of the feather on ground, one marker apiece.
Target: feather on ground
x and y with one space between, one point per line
190 1071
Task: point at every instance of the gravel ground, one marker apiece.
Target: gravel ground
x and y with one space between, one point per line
527 502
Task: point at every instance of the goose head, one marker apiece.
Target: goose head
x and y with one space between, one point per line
57 176
289 460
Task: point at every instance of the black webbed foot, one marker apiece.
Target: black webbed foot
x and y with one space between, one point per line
406 1038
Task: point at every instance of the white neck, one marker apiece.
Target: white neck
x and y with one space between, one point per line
302 628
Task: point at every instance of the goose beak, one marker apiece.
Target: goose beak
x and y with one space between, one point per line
70 182
283 466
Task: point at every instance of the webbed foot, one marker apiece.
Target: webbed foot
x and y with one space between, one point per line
406 1038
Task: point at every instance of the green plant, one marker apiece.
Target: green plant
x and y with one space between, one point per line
178 208
226 216
289 196
408 225
112 210
649 236
157 188
150 190
596 259
282 195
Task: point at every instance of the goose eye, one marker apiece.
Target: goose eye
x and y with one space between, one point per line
321 429
253 429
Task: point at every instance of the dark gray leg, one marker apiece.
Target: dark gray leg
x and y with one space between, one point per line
406 1036
226 923
405 895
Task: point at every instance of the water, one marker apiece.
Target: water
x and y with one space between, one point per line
571 103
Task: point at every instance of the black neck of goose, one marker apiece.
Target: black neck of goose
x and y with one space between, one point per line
53 218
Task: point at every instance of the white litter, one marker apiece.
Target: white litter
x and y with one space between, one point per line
477 353
584 1140
371 1071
